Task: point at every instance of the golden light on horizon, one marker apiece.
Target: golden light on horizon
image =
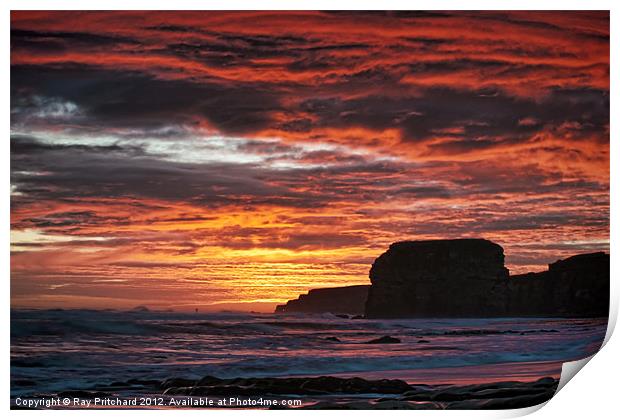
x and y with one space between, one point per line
239 159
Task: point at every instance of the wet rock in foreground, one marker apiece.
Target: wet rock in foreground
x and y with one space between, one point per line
328 392
348 393
386 339
323 385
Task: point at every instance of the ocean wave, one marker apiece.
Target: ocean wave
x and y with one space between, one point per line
80 345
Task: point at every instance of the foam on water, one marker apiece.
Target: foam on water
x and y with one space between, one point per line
57 350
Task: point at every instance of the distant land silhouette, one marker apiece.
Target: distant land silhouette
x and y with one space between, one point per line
345 300
465 278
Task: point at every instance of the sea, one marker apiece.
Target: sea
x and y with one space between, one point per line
58 350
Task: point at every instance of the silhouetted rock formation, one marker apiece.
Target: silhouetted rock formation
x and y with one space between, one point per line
386 339
444 278
346 300
466 278
577 286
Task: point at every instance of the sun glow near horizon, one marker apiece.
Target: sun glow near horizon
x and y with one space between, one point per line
235 160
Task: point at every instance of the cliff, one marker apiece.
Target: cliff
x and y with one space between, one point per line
339 300
574 287
466 278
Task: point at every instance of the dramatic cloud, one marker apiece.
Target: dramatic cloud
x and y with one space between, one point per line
187 158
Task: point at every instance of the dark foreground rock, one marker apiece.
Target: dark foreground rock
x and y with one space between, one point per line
323 385
337 300
328 392
386 339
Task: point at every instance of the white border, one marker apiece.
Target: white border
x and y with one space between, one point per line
593 395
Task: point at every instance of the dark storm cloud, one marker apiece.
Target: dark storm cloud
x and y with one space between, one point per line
523 21
138 100
55 42
482 177
71 218
134 99
542 221
72 172
237 237
68 173
230 50
478 113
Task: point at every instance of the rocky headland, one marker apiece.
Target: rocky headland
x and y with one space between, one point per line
577 286
465 278
344 300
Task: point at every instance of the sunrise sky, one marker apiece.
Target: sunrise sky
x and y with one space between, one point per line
234 160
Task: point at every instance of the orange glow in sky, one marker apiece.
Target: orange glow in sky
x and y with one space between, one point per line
233 160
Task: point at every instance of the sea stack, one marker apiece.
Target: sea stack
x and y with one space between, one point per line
438 278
